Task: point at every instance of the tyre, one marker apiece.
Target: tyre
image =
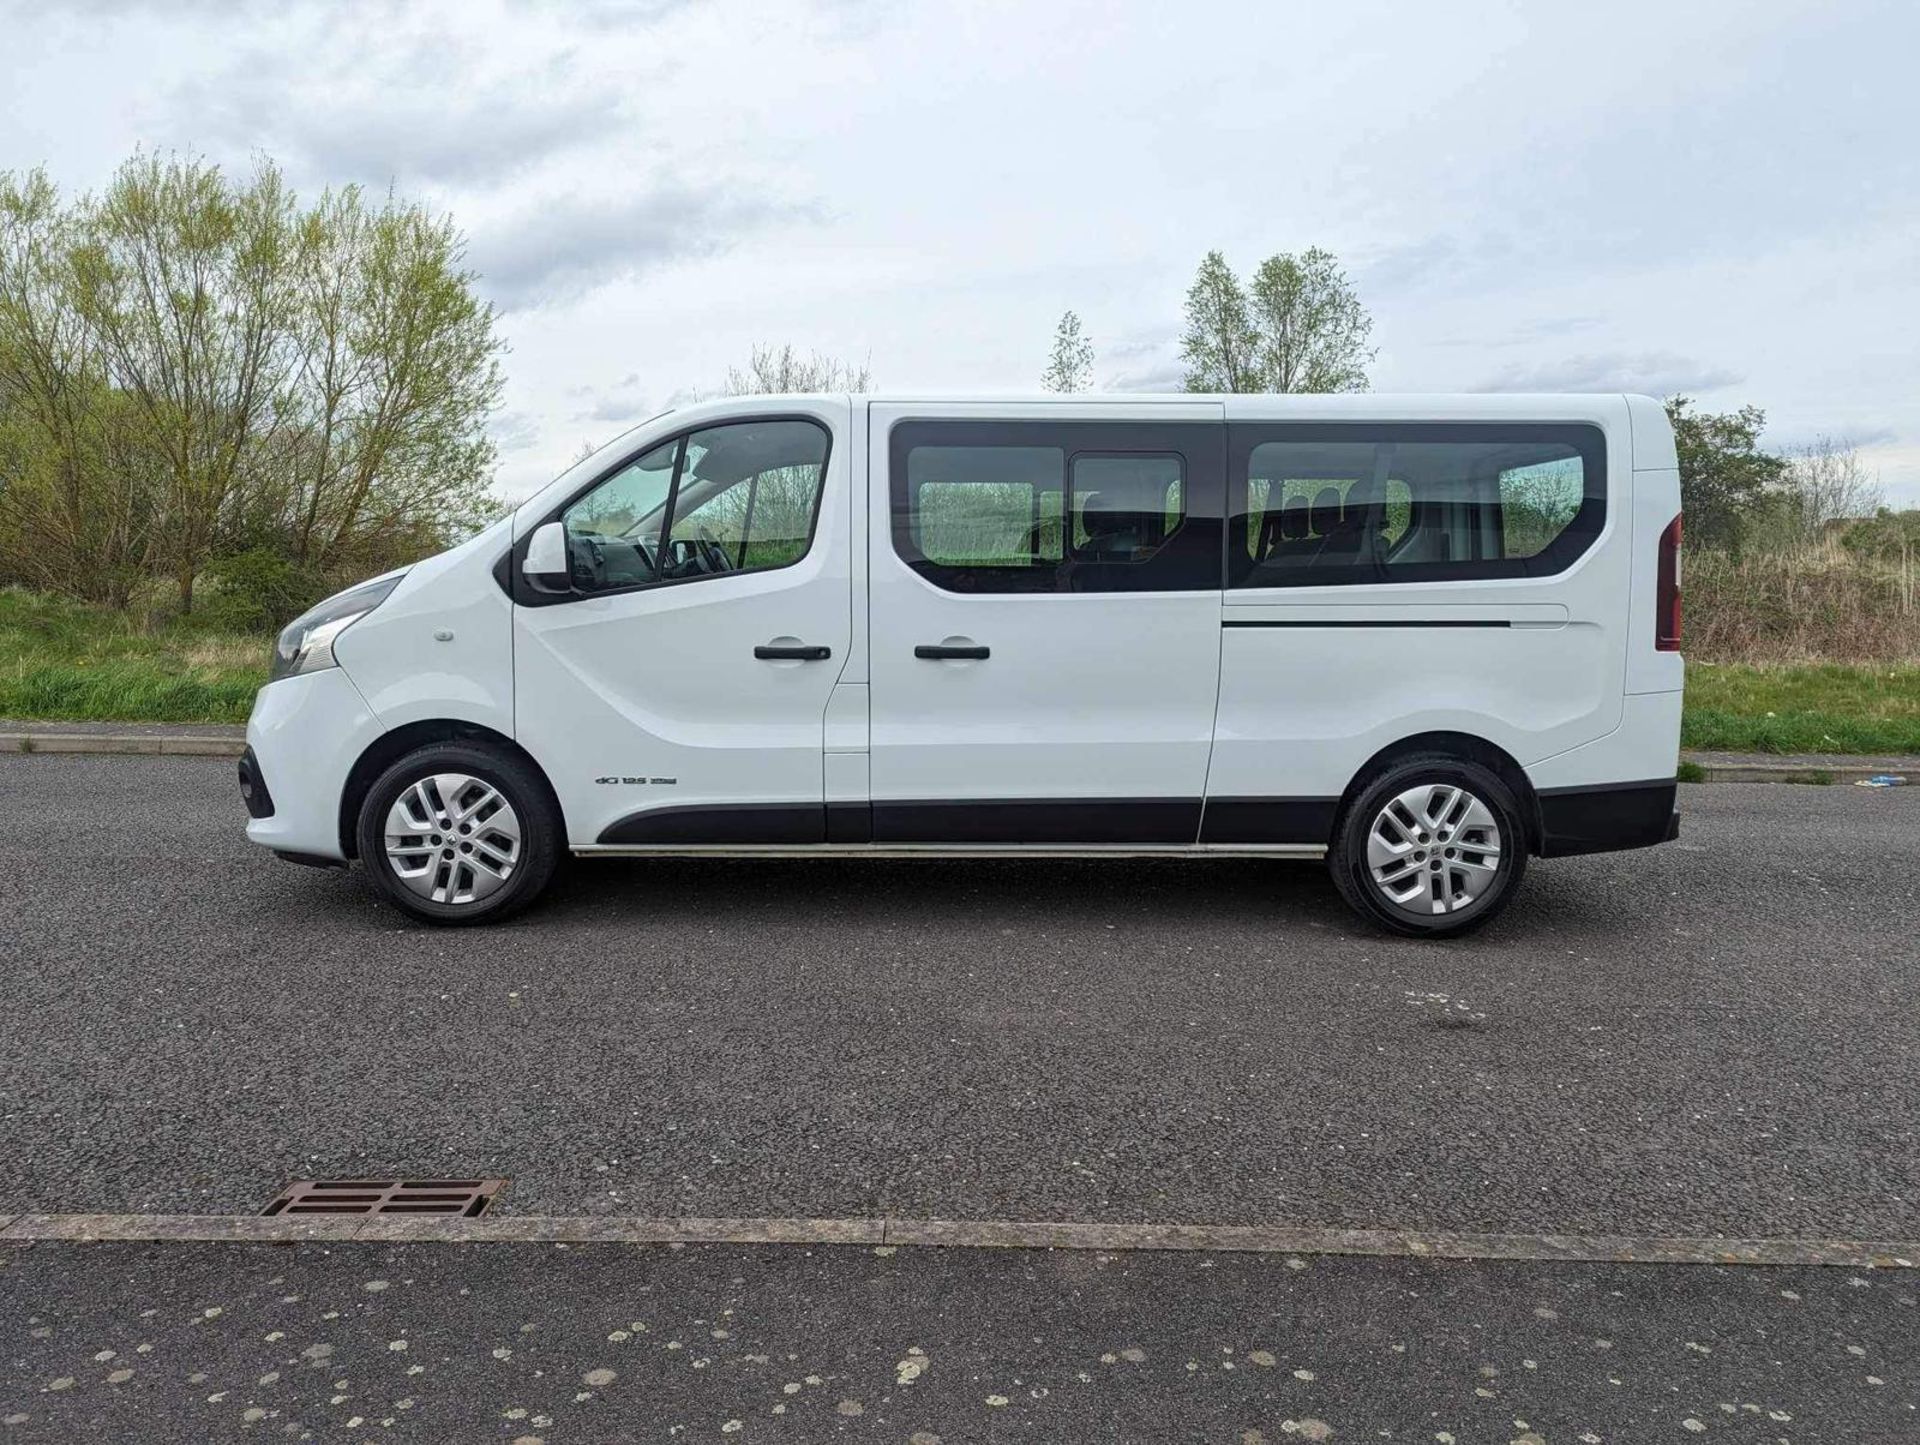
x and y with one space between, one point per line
1433 847
460 833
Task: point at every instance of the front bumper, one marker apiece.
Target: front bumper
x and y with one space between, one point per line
303 739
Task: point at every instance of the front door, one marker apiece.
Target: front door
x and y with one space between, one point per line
1045 622
678 694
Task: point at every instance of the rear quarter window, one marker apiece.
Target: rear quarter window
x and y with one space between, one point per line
1314 505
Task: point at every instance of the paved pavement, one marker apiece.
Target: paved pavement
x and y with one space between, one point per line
197 1343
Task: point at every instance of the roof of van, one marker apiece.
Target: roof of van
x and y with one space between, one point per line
1478 401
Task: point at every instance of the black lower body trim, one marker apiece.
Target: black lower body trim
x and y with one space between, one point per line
1269 820
253 787
722 823
849 822
1039 820
1374 622
1607 817
308 860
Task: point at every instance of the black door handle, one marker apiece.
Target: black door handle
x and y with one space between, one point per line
804 652
935 650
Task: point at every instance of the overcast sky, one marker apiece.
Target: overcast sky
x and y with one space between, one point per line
1721 199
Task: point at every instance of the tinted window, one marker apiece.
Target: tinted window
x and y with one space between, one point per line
1069 507
734 498
1124 508
987 506
1319 505
613 532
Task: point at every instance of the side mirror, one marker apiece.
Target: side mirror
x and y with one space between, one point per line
547 566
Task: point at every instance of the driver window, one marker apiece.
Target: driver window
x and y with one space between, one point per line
736 498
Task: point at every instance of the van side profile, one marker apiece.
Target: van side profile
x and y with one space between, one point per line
1422 638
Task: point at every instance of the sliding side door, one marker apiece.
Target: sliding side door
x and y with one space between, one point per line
1045 622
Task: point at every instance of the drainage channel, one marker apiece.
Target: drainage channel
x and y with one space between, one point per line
446 1198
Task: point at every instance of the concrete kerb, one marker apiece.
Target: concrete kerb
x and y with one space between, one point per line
195 745
28 1229
1719 769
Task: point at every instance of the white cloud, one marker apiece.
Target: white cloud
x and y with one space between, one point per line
1527 196
1656 373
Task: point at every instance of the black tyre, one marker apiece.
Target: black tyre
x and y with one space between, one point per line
460 833
1432 847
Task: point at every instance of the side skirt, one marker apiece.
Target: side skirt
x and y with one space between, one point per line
1148 825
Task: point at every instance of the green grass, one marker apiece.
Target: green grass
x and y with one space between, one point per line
61 660
1870 708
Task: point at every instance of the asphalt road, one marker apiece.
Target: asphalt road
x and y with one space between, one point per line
586 1346
1714 1037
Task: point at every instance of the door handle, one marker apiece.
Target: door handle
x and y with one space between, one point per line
801 652
936 650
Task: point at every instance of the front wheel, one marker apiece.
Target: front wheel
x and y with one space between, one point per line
459 833
1433 847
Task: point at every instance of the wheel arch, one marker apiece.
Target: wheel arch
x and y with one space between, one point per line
1460 745
387 749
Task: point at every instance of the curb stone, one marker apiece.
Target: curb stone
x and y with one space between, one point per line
885 1233
195 745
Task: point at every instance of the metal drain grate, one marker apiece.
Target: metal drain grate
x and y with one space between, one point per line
461 1198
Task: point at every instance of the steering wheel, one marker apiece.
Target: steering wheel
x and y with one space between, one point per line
705 550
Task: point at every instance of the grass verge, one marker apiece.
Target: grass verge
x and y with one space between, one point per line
1870 708
62 661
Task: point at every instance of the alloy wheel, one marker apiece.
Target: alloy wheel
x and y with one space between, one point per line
1434 849
452 838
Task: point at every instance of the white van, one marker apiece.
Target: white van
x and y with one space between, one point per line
1421 637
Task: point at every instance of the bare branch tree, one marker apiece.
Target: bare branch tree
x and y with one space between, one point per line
783 370
1827 482
1070 367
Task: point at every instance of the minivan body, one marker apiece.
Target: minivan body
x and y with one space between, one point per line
1421 637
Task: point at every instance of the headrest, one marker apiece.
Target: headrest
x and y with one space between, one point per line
1293 519
1325 515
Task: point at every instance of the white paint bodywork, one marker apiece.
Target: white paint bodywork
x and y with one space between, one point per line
662 684
1108 695
1303 708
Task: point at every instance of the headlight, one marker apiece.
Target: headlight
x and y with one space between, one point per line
306 643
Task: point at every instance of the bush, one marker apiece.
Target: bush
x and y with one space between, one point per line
1820 603
258 590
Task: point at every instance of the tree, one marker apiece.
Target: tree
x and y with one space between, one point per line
77 507
1725 477
1313 329
784 371
397 369
1070 367
195 369
181 277
1220 346
1827 482
1299 327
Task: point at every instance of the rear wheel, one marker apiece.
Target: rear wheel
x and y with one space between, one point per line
1432 847
459 833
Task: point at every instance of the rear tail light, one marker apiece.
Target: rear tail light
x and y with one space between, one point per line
1666 624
